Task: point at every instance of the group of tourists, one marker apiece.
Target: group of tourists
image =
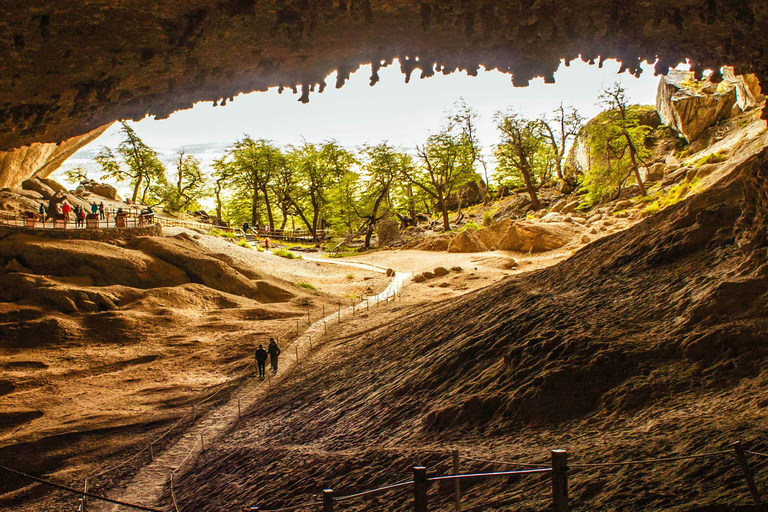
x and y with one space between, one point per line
273 351
59 208
247 226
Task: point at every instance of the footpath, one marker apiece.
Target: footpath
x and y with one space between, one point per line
153 480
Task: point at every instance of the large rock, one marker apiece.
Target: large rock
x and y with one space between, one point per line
748 91
467 241
100 189
471 193
40 160
492 235
690 106
525 236
35 185
388 232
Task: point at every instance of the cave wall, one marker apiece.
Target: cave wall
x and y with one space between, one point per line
71 67
40 159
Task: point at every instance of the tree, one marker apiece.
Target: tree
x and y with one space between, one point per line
447 161
566 124
617 143
189 184
76 175
222 173
140 164
254 163
523 153
382 167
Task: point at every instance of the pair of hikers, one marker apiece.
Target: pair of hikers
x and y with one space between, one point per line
273 351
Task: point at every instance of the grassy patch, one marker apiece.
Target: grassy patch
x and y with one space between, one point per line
223 234
283 253
244 243
675 195
712 158
306 285
470 225
487 219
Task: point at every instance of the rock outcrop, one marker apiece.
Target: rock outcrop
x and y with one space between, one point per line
690 106
40 159
100 189
467 241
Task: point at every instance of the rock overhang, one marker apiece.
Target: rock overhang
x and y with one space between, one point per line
71 67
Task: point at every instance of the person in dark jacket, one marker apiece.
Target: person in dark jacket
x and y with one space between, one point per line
274 352
261 360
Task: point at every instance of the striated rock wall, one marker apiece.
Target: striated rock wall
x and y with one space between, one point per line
70 67
40 159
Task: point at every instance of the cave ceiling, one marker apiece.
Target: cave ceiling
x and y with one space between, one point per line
70 66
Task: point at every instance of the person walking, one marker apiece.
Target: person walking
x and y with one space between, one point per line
102 215
65 209
274 352
261 360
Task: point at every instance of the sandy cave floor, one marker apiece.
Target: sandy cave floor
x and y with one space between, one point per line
95 404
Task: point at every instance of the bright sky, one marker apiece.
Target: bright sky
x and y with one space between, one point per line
403 114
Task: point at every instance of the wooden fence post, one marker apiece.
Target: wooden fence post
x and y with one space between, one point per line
748 476
297 327
323 310
327 500
560 480
194 415
457 482
325 326
85 498
309 320
339 313
202 442
238 407
297 354
419 489
151 453
269 382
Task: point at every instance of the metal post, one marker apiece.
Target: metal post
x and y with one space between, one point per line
202 441
748 476
560 480
419 489
457 482
151 453
327 500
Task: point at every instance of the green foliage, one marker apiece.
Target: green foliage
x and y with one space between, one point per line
471 225
673 196
222 234
712 158
189 186
76 175
616 142
136 163
487 219
306 285
244 243
284 253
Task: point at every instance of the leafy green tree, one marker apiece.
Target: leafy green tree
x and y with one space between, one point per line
523 154
446 162
76 175
382 168
616 142
137 163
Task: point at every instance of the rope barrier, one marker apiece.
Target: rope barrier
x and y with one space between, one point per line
756 453
121 464
508 463
79 492
173 494
497 473
374 491
185 458
514 496
289 509
651 461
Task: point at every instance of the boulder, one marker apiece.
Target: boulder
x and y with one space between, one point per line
685 105
570 207
491 235
596 217
427 275
53 184
470 194
456 269
467 241
748 92
559 205
35 185
418 278
440 271
390 272
553 217
526 236
653 173
104 190
585 239
388 232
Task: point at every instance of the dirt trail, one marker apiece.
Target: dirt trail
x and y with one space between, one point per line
152 481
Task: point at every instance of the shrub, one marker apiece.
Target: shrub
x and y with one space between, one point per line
487 219
306 285
244 243
471 225
283 253
223 234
